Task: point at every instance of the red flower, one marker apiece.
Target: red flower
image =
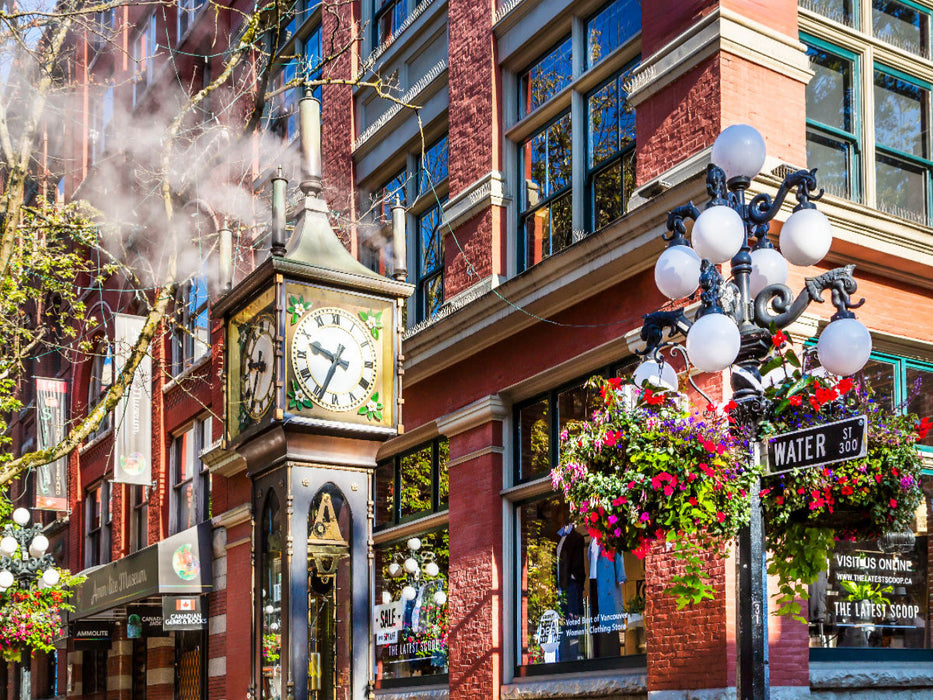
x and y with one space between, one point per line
893 502
878 478
731 406
692 501
720 516
846 490
844 386
764 492
924 428
824 395
778 339
814 403
779 500
668 490
653 399
593 517
795 400
614 383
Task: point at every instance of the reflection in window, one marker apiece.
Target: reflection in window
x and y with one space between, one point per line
919 387
836 10
874 594
415 483
191 337
610 28
546 198
901 115
390 15
546 78
411 596
190 477
534 438
578 602
271 601
97 524
101 379
901 25
429 282
433 170
611 157
831 138
901 384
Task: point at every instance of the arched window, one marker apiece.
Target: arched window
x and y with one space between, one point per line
99 384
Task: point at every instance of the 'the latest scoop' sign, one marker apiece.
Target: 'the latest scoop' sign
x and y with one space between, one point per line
819 445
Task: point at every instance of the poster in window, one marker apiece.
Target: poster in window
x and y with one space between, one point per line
132 418
52 408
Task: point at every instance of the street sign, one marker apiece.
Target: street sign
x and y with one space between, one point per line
819 445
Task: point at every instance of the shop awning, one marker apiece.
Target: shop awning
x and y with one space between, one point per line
180 564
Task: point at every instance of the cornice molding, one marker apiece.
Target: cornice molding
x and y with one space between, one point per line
222 461
488 191
721 30
407 440
235 516
485 410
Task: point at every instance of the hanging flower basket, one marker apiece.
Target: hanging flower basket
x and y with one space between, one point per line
31 620
807 510
647 469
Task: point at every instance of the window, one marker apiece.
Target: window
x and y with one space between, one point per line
139 517
191 338
282 107
891 114
190 477
101 379
97 525
187 11
144 51
311 58
413 484
611 152
552 215
389 17
429 280
372 248
433 170
101 117
547 77
94 671
577 602
102 29
411 572
384 198
832 132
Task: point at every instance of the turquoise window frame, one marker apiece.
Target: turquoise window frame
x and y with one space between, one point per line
926 164
914 6
855 137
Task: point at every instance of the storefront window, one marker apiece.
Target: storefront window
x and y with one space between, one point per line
411 615
271 601
874 594
413 484
578 602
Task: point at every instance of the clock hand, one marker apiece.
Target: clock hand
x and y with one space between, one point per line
318 350
261 366
335 361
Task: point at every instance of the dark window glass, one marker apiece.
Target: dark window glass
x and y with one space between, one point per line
433 167
94 671
190 478
830 92
430 251
546 78
384 198
901 25
836 10
834 158
270 600
610 28
102 368
417 478
534 440
901 115
422 479
920 395
416 596
390 15
901 188
192 324
139 517
570 587
97 525
574 405
879 376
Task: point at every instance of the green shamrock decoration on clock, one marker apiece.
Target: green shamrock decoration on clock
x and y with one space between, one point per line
372 409
297 306
297 398
373 321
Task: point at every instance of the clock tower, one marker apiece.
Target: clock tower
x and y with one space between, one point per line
312 388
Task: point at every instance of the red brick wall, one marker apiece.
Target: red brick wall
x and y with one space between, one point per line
237 600
475 605
662 20
475 250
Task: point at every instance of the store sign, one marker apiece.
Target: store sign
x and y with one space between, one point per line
133 432
143 621
182 613
388 621
91 634
178 564
819 445
51 415
872 598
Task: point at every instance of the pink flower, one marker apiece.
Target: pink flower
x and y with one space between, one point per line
644 517
720 516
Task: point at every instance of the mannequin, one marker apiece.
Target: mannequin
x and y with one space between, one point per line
607 574
571 578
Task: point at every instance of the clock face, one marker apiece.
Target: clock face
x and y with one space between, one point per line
335 359
257 365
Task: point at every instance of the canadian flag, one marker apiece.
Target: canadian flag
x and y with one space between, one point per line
185 604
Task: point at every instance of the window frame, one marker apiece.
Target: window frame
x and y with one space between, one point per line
138 526
96 390
437 506
199 477
97 537
856 166
186 15
185 341
925 52
381 8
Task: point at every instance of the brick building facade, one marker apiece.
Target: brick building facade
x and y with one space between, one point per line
551 141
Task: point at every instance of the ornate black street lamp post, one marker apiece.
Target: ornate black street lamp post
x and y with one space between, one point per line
733 326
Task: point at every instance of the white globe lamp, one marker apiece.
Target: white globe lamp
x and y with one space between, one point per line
38 546
408 593
395 570
411 566
414 544
718 233
432 569
713 342
6 579
8 546
21 516
768 267
806 237
655 374
740 151
844 346
50 577
440 598
677 272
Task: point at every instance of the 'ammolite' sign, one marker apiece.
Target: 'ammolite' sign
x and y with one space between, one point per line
819 445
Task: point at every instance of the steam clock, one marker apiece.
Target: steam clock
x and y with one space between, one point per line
312 389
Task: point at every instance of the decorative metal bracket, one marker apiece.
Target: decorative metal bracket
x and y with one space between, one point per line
675 223
762 208
780 298
652 330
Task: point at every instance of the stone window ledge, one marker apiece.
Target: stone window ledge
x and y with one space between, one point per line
616 685
833 675
422 693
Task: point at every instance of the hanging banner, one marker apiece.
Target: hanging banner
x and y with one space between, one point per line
133 415
51 416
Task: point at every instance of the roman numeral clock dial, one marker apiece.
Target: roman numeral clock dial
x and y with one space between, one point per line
334 359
